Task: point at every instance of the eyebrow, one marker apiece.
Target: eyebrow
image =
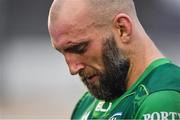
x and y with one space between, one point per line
76 47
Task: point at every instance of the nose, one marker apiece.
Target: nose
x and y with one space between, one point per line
75 68
74 64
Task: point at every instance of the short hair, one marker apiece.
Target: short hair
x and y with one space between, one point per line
105 9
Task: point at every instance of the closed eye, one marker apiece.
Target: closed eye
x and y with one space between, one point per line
78 49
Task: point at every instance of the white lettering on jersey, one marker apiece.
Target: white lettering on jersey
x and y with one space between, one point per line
100 107
162 116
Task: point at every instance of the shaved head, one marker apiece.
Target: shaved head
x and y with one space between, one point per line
108 9
103 11
65 8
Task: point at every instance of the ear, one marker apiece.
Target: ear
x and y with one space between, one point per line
123 25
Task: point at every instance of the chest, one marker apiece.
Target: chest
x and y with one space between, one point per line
119 109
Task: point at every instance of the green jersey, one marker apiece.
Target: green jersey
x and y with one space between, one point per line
155 95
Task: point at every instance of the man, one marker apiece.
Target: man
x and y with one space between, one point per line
126 75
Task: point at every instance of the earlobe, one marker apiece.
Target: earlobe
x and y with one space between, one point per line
123 25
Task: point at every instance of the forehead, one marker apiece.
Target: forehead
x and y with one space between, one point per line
72 18
67 11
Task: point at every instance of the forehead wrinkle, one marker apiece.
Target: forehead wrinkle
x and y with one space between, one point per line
69 31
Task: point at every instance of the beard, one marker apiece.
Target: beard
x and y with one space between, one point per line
113 80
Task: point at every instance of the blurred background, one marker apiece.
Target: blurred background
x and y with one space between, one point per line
34 79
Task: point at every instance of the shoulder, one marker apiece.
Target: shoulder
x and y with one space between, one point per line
165 77
162 100
159 105
82 104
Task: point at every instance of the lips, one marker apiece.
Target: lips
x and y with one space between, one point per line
91 79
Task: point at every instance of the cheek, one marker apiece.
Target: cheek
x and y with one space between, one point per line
93 58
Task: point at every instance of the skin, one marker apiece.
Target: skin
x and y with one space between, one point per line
76 24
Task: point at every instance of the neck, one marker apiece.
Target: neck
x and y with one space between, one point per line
139 62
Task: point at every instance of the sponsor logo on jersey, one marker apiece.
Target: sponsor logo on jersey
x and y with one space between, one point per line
116 116
101 107
162 116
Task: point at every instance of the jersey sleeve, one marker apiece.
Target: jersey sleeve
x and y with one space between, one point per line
162 105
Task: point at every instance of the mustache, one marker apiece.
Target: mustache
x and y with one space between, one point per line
87 74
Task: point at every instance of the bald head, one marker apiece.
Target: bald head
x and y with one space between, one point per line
102 10
66 9
110 8
66 14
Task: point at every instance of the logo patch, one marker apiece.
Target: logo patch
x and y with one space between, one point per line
116 116
103 106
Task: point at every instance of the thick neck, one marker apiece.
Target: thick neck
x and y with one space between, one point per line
141 60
